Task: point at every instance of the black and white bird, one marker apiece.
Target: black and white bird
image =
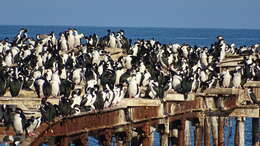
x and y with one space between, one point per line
32 124
16 85
133 88
19 121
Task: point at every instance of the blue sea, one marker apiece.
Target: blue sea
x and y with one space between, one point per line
200 37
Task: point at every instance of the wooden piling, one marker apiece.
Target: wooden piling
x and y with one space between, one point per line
206 132
240 132
214 129
221 131
255 130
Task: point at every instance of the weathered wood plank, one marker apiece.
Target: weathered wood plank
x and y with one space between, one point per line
223 91
128 102
252 84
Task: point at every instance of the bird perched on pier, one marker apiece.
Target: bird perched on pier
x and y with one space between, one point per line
32 124
21 36
236 81
19 121
4 82
70 39
48 111
226 79
133 88
63 42
76 97
55 85
251 94
16 84
66 86
112 40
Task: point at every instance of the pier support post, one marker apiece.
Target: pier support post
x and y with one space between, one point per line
81 139
221 131
64 141
198 135
187 141
255 130
214 129
181 132
164 133
128 136
119 141
240 132
206 132
105 138
147 136
174 137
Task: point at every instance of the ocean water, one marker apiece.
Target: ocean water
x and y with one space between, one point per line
199 37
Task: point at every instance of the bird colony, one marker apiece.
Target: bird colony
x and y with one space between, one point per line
78 70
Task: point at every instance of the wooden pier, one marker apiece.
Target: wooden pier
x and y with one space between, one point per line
133 121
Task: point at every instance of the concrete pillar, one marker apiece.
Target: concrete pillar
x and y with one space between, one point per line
174 137
164 133
240 132
187 141
147 135
255 132
198 135
65 141
214 129
119 142
181 132
106 138
206 132
128 136
221 131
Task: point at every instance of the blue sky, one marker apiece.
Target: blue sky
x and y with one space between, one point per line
133 13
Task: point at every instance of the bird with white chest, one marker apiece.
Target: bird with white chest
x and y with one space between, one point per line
237 78
19 121
133 88
226 79
55 84
71 39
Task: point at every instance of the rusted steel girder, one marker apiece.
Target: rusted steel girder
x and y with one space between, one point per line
144 113
77 124
185 106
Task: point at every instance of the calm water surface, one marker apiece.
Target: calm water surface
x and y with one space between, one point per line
199 37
